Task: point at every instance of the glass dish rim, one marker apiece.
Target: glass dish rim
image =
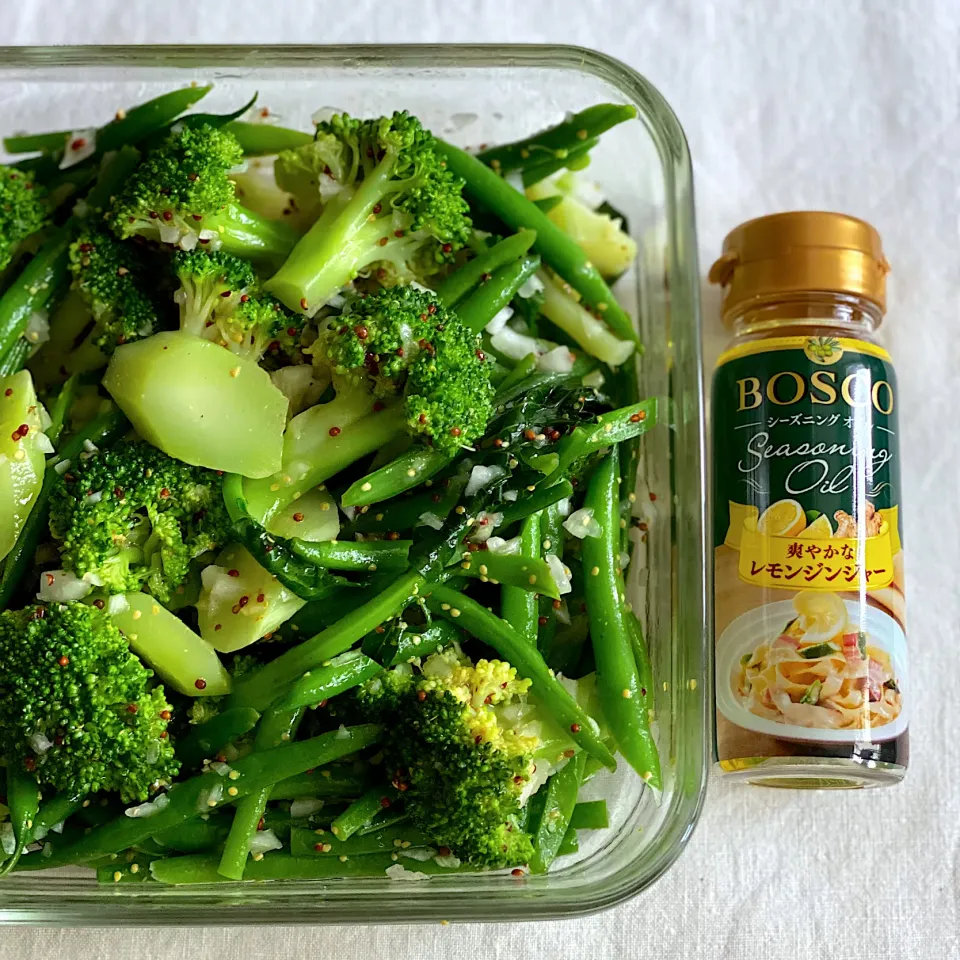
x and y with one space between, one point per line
669 139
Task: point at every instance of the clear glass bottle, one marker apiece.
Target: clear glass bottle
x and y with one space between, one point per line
812 679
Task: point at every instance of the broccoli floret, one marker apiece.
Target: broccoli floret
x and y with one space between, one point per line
132 518
22 211
399 363
77 708
400 212
461 743
111 278
220 300
181 194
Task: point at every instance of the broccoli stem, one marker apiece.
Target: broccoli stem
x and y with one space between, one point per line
337 246
558 250
244 233
260 689
319 443
560 141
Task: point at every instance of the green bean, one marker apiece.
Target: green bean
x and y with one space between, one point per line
16 358
576 159
558 250
569 844
281 866
413 642
337 783
562 789
206 740
350 555
56 810
405 513
522 576
265 139
23 798
215 120
518 598
551 542
362 811
618 679
134 870
189 798
525 369
559 140
36 289
321 843
386 820
543 497
482 267
60 408
609 428
135 125
590 815
195 836
331 678
408 470
277 726
260 689
641 657
478 309
514 648
101 431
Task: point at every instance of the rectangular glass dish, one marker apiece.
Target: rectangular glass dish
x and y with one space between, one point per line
470 95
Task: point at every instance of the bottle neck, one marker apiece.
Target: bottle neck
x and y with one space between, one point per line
806 313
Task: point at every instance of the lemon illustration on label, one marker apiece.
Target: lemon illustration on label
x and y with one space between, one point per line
822 616
820 529
739 514
785 518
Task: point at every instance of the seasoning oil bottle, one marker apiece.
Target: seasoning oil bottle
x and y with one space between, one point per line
812 681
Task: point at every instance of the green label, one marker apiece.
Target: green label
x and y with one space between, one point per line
808 420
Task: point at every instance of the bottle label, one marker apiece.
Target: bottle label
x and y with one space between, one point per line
811 656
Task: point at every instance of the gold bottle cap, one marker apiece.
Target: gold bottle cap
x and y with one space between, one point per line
806 250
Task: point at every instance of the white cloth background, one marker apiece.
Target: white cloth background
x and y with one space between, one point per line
833 104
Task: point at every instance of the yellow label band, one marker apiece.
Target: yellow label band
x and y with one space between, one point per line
842 345
795 563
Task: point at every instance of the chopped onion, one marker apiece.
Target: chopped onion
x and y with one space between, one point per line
530 288
594 379
43 443
624 560
93 497
61 586
80 145
170 233
61 468
484 526
422 288
418 853
481 477
148 809
563 507
510 495
306 807
153 751
558 360
7 839
263 840
90 447
37 331
220 769
501 547
40 743
581 523
516 346
499 321
431 520
349 512
515 179
342 733
322 114
399 872
210 798
117 604
563 611
561 575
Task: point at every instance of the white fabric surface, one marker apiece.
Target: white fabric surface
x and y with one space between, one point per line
831 104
